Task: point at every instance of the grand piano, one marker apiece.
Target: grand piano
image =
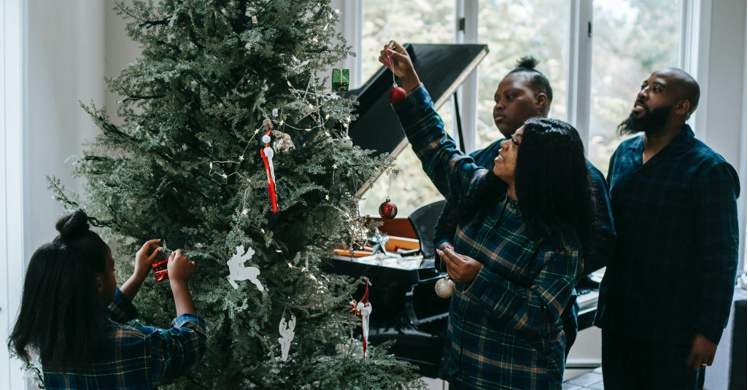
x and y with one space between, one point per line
406 308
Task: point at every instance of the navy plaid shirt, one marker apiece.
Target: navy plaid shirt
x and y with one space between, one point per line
505 329
605 230
673 273
136 357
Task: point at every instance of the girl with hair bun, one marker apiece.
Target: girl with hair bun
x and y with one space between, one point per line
74 317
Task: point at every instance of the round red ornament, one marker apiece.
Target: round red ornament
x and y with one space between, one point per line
397 95
388 209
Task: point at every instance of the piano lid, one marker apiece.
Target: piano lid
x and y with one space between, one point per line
442 68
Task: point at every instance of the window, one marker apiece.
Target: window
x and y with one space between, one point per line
514 29
632 39
417 21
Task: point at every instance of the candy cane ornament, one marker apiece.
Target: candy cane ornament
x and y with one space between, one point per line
267 158
363 309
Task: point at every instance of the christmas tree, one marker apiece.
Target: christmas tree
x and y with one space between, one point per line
224 113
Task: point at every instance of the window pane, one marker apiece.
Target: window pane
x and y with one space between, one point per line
416 21
514 29
631 39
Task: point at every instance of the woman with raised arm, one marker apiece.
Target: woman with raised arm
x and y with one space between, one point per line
518 252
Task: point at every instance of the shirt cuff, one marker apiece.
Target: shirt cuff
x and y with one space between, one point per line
414 107
121 309
191 321
709 329
480 286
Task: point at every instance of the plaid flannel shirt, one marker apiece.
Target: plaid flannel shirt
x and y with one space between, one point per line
504 327
135 357
673 273
605 230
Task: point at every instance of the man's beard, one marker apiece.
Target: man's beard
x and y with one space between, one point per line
651 120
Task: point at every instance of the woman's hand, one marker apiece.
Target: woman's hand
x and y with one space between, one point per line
397 59
461 268
145 257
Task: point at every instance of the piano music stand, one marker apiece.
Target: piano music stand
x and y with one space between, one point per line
442 68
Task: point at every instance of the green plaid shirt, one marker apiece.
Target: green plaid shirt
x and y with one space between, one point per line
135 357
505 329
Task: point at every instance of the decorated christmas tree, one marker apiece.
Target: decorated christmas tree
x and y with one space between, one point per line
231 146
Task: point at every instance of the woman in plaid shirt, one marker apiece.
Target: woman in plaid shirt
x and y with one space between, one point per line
517 252
73 316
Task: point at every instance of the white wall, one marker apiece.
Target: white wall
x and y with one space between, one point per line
65 65
120 51
725 108
724 104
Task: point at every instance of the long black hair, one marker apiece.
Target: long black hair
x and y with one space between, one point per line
62 317
554 192
552 182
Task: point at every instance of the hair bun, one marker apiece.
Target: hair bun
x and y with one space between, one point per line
528 62
73 225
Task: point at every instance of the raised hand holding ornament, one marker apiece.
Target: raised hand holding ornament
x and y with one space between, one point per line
397 59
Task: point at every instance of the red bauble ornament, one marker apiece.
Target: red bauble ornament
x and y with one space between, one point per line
397 95
388 210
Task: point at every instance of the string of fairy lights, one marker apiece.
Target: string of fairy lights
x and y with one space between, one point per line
320 121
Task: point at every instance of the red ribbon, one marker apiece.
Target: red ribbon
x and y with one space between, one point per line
271 181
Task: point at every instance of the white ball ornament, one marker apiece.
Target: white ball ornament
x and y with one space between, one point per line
266 139
269 153
444 287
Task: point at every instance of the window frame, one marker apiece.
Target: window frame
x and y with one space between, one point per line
694 35
13 39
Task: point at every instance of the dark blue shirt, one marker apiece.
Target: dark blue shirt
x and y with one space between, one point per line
604 229
673 272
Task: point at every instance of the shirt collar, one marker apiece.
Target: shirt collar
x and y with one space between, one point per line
679 144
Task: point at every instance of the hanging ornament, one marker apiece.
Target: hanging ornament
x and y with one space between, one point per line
159 270
397 94
444 287
238 271
388 209
363 309
340 80
287 334
267 158
283 142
